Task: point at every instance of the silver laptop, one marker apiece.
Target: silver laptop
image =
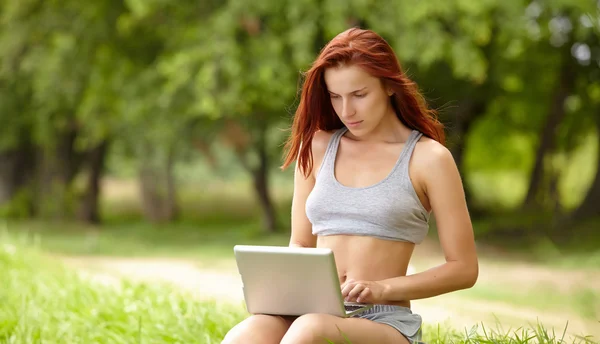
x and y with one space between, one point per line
291 281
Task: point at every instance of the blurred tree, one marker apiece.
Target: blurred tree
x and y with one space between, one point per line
244 80
591 203
159 39
517 83
559 30
50 53
587 101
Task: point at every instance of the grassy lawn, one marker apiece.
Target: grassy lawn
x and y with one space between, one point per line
208 242
582 300
44 302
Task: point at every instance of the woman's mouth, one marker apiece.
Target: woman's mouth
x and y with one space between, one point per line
354 124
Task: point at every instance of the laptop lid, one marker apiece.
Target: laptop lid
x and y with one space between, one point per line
289 280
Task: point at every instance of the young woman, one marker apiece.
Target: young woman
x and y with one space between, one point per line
371 168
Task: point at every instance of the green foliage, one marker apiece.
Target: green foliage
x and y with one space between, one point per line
19 206
159 79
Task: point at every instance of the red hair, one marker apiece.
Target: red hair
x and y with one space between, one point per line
368 50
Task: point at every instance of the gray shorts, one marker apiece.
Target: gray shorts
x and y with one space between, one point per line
398 317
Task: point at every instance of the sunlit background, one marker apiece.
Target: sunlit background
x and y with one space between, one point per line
140 140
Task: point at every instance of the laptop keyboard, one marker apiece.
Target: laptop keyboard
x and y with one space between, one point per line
350 308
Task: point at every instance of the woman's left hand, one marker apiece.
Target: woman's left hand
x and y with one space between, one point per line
363 291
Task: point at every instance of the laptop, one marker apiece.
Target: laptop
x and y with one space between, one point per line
292 281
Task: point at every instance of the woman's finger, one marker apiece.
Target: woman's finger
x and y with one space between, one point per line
364 295
347 287
353 294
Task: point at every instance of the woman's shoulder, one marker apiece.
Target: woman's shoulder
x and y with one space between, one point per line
321 139
319 144
430 154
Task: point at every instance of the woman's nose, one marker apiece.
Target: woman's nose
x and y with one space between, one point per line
347 110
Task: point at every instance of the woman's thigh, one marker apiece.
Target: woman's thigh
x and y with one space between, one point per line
323 328
259 329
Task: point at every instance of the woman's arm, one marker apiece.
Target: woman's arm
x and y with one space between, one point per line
444 189
301 233
301 227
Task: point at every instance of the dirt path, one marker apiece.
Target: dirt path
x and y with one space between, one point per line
453 310
221 284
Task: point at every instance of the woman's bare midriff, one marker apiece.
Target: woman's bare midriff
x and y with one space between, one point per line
368 258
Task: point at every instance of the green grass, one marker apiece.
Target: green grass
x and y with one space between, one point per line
479 334
581 300
44 302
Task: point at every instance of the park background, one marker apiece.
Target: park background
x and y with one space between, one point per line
141 139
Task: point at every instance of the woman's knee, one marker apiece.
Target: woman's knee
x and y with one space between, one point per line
308 329
257 329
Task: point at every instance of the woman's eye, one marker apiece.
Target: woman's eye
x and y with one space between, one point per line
360 95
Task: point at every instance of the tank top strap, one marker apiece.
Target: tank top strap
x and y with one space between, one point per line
408 150
412 142
331 151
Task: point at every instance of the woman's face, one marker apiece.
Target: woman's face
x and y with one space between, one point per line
359 99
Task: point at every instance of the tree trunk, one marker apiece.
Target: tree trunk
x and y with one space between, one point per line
58 167
17 168
465 115
591 203
157 185
547 144
11 174
545 147
89 204
238 138
261 187
172 205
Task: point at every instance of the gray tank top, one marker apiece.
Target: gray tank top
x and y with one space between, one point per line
389 209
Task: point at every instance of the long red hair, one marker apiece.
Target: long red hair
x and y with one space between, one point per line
366 49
